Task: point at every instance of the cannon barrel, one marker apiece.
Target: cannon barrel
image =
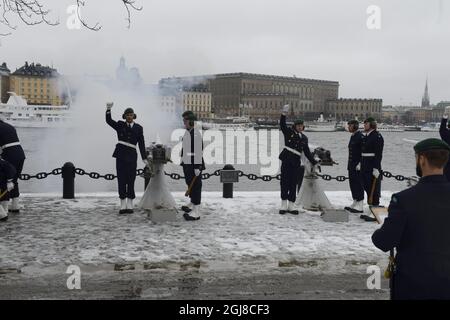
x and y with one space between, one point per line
324 156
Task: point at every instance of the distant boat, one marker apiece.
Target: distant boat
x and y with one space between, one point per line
341 126
266 127
19 113
389 128
229 123
412 128
431 127
321 125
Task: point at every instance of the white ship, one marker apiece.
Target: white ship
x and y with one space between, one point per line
229 123
321 125
19 113
431 127
389 128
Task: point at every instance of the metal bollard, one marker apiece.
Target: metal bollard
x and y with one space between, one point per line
227 186
68 176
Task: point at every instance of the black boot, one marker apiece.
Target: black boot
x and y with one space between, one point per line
367 218
187 217
186 209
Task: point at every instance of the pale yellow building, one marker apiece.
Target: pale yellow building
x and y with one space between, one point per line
37 84
345 109
198 101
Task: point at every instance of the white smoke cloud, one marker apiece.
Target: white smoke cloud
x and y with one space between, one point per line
87 140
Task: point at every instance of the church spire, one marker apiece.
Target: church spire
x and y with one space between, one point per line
426 96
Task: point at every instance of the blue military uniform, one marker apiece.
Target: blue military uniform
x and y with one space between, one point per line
126 155
371 156
418 226
354 158
291 161
191 161
12 152
7 173
445 135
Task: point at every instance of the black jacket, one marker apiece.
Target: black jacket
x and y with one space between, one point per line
354 150
7 173
372 143
191 158
445 135
134 135
8 134
418 225
294 141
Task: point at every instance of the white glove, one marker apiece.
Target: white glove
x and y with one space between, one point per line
376 173
446 112
197 172
109 105
10 186
358 167
412 181
285 109
145 162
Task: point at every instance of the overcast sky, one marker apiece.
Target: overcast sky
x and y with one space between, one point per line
322 39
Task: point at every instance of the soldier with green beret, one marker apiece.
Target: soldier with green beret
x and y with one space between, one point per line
418 225
193 165
354 167
371 156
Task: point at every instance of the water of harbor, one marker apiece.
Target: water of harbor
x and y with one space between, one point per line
92 150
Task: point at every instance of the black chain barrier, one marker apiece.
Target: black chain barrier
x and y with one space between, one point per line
205 176
385 174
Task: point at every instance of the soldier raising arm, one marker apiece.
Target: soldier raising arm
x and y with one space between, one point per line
129 133
295 143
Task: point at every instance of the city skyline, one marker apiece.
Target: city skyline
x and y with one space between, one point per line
281 38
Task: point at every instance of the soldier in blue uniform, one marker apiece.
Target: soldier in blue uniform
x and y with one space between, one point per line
13 153
371 156
193 165
354 167
295 143
129 134
7 175
444 131
418 226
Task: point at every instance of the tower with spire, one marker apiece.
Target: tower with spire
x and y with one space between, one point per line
426 96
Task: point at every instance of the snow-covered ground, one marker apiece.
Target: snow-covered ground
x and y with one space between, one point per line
244 233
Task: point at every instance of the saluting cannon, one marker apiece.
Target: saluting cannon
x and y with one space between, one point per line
157 153
157 199
324 156
311 196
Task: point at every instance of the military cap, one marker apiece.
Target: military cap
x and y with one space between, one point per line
298 121
431 144
370 119
128 110
189 115
186 113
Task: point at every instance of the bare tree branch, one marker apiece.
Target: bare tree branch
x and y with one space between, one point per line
32 12
130 4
